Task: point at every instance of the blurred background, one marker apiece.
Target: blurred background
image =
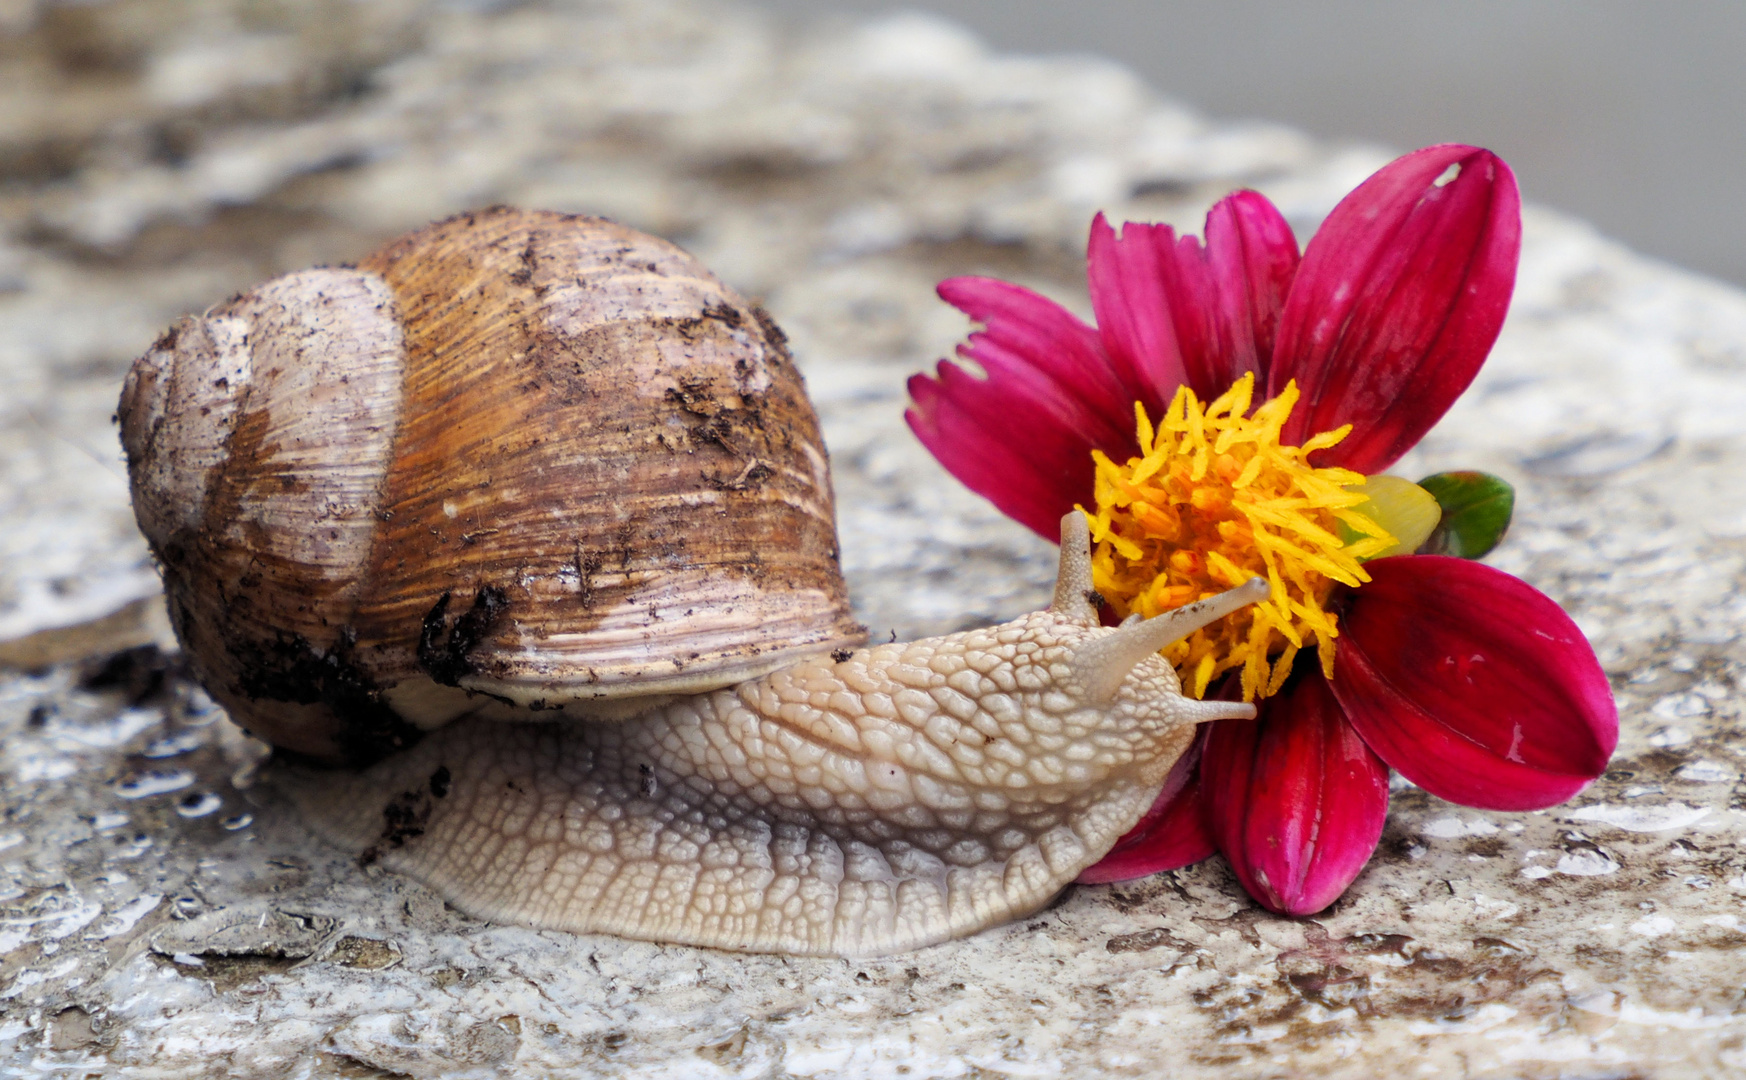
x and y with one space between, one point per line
835 158
1630 114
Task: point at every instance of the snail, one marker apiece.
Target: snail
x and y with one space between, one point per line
524 466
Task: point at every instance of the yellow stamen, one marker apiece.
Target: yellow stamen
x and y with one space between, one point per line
1214 500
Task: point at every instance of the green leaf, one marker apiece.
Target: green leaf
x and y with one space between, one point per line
1476 513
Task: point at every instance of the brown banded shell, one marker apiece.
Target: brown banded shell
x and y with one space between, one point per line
513 457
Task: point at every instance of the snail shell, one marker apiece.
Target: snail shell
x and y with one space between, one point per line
545 459
525 466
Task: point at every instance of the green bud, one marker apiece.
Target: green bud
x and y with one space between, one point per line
1476 513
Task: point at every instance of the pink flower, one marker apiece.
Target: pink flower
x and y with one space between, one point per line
1467 681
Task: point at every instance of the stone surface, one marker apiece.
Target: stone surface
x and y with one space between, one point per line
162 914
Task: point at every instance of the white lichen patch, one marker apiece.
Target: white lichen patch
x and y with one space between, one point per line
1639 818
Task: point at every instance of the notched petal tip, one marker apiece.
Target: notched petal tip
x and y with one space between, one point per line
1134 294
1252 258
1033 367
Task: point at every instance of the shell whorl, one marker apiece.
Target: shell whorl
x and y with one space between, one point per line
514 457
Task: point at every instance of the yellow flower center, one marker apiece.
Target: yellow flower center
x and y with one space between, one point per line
1213 500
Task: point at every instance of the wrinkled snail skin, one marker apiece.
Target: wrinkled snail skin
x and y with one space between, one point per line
898 797
522 466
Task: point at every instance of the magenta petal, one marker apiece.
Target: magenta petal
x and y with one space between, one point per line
1022 435
1399 298
1473 684
1252 258
1131 296
968 424
1294 798
1042 334
1206 333
1171 834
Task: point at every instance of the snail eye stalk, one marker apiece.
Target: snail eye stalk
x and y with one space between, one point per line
1102 664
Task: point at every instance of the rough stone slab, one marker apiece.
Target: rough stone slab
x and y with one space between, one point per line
163 915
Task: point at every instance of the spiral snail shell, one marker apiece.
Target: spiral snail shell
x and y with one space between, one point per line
571 457
527 466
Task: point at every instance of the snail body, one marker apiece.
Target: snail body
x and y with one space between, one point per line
523 466
896 797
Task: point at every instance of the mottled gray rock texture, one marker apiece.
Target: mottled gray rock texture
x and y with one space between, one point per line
162 913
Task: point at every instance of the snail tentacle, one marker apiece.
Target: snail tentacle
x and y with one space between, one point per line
1073 590
1103 664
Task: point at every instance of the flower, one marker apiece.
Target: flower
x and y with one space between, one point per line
1465 680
